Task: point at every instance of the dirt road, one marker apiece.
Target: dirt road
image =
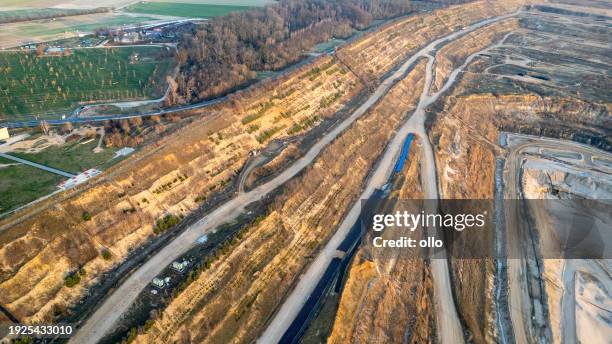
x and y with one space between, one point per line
521 310
448 323
108 314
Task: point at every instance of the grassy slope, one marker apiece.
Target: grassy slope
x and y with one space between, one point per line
38 85
21 184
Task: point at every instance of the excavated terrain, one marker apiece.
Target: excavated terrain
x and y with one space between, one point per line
514 84
388 300
40 247
232 300
518 86
375 55
544 72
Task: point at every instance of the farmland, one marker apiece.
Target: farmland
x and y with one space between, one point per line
38 85
20 33
191 10
42 13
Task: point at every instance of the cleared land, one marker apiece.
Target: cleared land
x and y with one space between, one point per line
33 14
190 10
31 84
62 3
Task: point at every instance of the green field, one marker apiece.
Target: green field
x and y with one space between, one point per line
33 85
189 10
38 28
21 184
72 157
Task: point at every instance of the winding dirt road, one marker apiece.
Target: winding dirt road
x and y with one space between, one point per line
105 318
521 310
447 320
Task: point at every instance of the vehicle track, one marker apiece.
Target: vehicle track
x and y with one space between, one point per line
448 323
110 311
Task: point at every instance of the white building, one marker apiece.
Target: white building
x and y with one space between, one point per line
4 134
79 178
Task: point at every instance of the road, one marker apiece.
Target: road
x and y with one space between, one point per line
34 123
39 166
108 314
448 323
519 299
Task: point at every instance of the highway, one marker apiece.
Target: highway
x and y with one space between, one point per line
447 321
39 166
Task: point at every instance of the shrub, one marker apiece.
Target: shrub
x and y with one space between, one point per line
165 223
75 278
106 255
86 216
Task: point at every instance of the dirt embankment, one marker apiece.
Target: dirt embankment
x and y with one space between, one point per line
375 55
174 176
466 170
452 55
388 300
465 135
232 300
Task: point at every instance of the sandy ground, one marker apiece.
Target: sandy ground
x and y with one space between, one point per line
447 319
116 304
564 317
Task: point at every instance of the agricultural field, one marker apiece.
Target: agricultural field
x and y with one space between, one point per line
46 85
62 3
251 3
180 9
44 30
33 14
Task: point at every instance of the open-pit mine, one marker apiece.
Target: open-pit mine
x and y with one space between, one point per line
244 223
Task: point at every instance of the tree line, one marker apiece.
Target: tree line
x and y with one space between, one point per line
226 52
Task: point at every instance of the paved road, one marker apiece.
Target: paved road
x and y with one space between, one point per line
34 123
447 320
39 166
